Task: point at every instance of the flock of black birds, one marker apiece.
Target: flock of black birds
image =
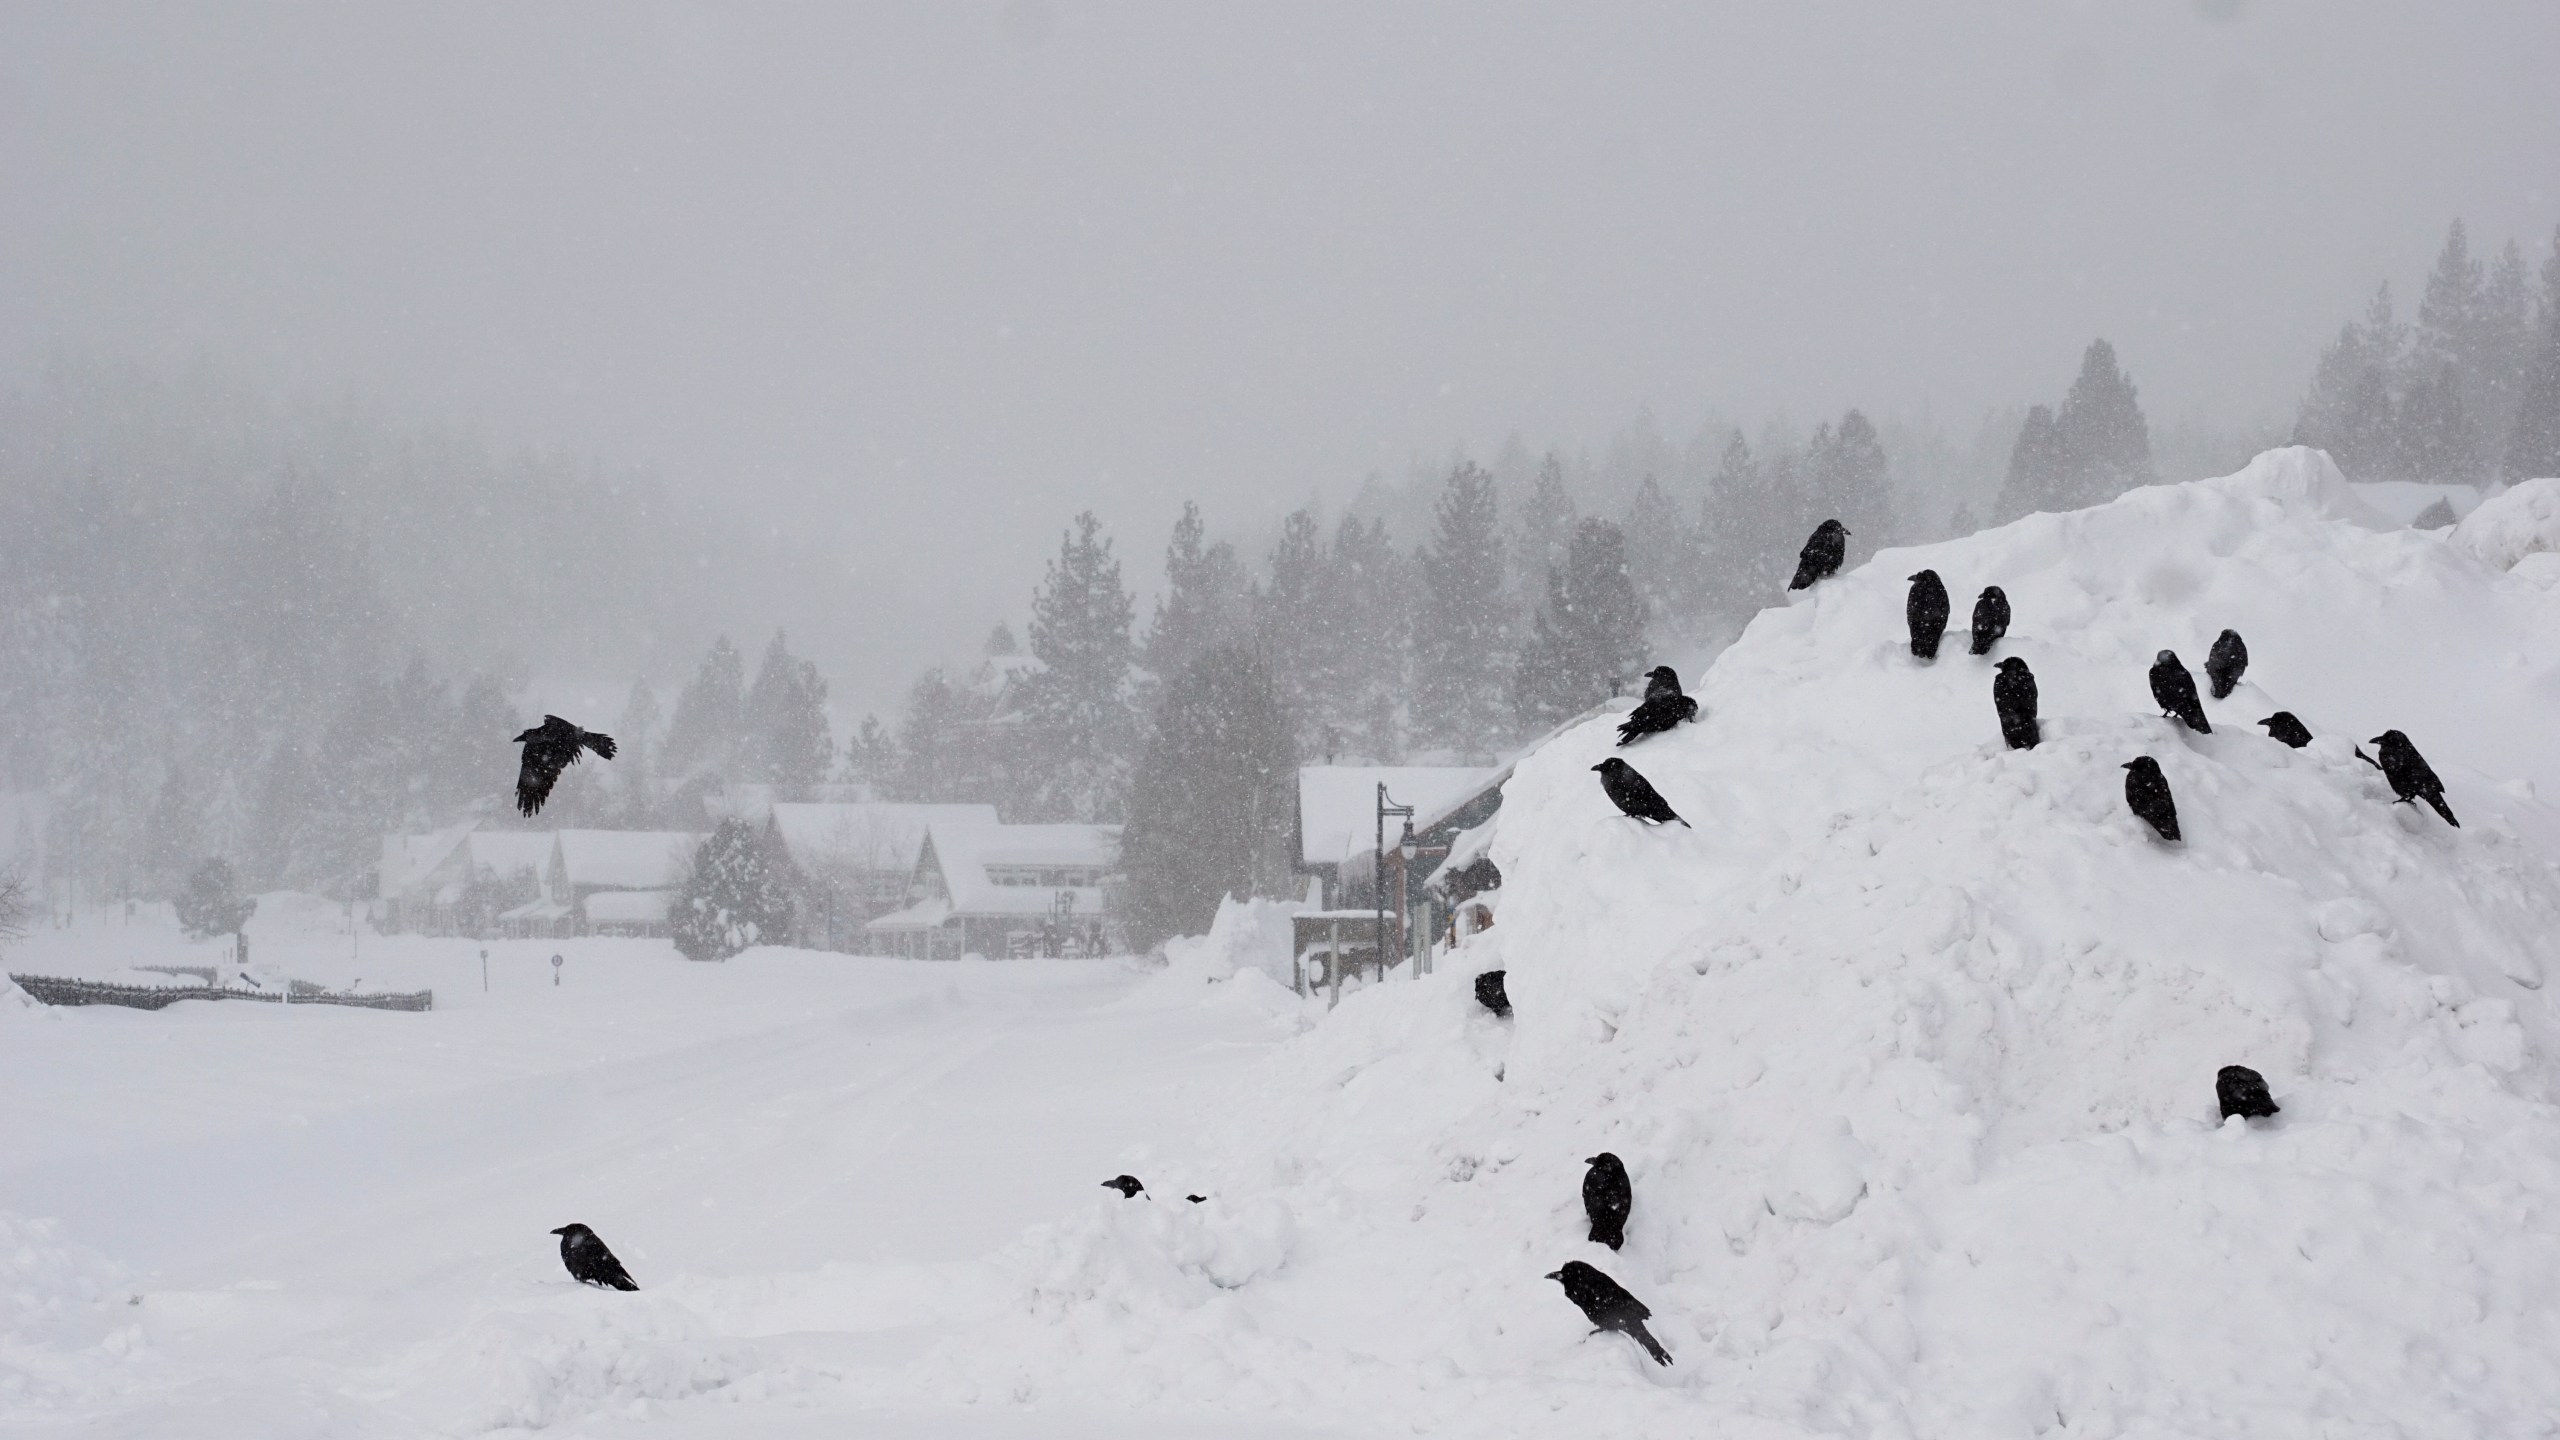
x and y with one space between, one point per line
1608 1194
2013 700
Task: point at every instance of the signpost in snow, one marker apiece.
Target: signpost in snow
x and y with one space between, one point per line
484 969
556 963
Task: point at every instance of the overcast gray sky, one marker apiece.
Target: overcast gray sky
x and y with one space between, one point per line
932 277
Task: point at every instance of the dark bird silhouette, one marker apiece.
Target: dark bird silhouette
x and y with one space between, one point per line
1632 793
550 748
1926 610
2175 689
2410 776
1607 1195
589 1262
2146 793
2243 1092
2284 727
1491 995
1608 1306
1196 1199
2013 694
1127 1185
1990 619
1663 707
2224 663
1822 554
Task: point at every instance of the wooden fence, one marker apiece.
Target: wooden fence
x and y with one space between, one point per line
56 990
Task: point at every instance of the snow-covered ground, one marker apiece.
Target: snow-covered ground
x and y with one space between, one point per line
1909 1047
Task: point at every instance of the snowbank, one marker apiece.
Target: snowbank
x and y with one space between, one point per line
66 1328
1910 1044
1244 935
2522 521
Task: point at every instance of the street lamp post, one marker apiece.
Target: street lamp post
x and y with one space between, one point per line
1378 873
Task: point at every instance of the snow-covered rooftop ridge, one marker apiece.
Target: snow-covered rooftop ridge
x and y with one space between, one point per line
1337 804
1036 862
626 859
879 836
1910 1044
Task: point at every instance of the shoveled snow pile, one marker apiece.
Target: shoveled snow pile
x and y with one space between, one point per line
1910 1045
2523 521
66 1328
1244 935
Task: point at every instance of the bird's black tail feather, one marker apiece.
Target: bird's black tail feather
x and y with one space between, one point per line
601 744
1613 1236
2444 810
1651 1346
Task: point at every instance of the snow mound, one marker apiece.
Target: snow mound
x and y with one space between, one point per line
66 1328
1910 1045
2525 520
1244 935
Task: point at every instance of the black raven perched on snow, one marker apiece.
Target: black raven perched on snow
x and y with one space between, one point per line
2282 726
2243 1092
2224 663
550 748
589 1262
2013 694
1491 995
1634 794
2146 793
2410 776
1127 1185
1607 1195
1990 618
1822 554
1607 1305
1926 610
2175 689
1664 706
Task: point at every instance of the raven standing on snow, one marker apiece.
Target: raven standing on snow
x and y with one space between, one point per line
1822 554
1127 1185
1634 794
2175 689
2410 776
1990 619
2224 663
589 1262
1664 706
2146 793
1926 609
2013 694
1607 1196
550 748
1607 1305
2243 1092
1491 993
2282 726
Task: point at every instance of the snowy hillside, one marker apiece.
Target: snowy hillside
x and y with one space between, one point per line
1910 1044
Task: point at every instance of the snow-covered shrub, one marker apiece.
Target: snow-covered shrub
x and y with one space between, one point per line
735 896
212 903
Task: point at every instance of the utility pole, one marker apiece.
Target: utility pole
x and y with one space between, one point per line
1378 872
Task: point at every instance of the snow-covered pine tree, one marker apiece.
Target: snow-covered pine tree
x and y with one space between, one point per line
1078 706
1542 533
1664 556
1737 533
788 742
1588 638
1289 627
212 903
737 894
1212 805
1205 599
2533 441
2436 440
2435 420
1366 604
2348 410
635 758
1848 471
1462 635
704 734
2035 465
871 758
2102 441
2504 343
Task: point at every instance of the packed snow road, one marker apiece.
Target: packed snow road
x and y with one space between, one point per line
269 1222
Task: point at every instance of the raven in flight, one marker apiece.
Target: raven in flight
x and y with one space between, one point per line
550 748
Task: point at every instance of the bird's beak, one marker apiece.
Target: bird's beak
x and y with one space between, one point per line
563 1230
2129 764
2376 740
1555 1274
1603 765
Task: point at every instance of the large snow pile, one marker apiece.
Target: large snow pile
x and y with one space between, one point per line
1910 1044
1244 935
2522 521
66 1327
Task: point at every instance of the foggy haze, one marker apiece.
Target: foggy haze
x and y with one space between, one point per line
915 284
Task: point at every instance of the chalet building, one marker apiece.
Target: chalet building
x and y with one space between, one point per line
1338 817
852 863
1002 891
460 881
615 882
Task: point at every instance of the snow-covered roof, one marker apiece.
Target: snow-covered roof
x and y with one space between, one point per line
976 859
923 915
626 859
408 860
1337 804
865 838
509 851
628 907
